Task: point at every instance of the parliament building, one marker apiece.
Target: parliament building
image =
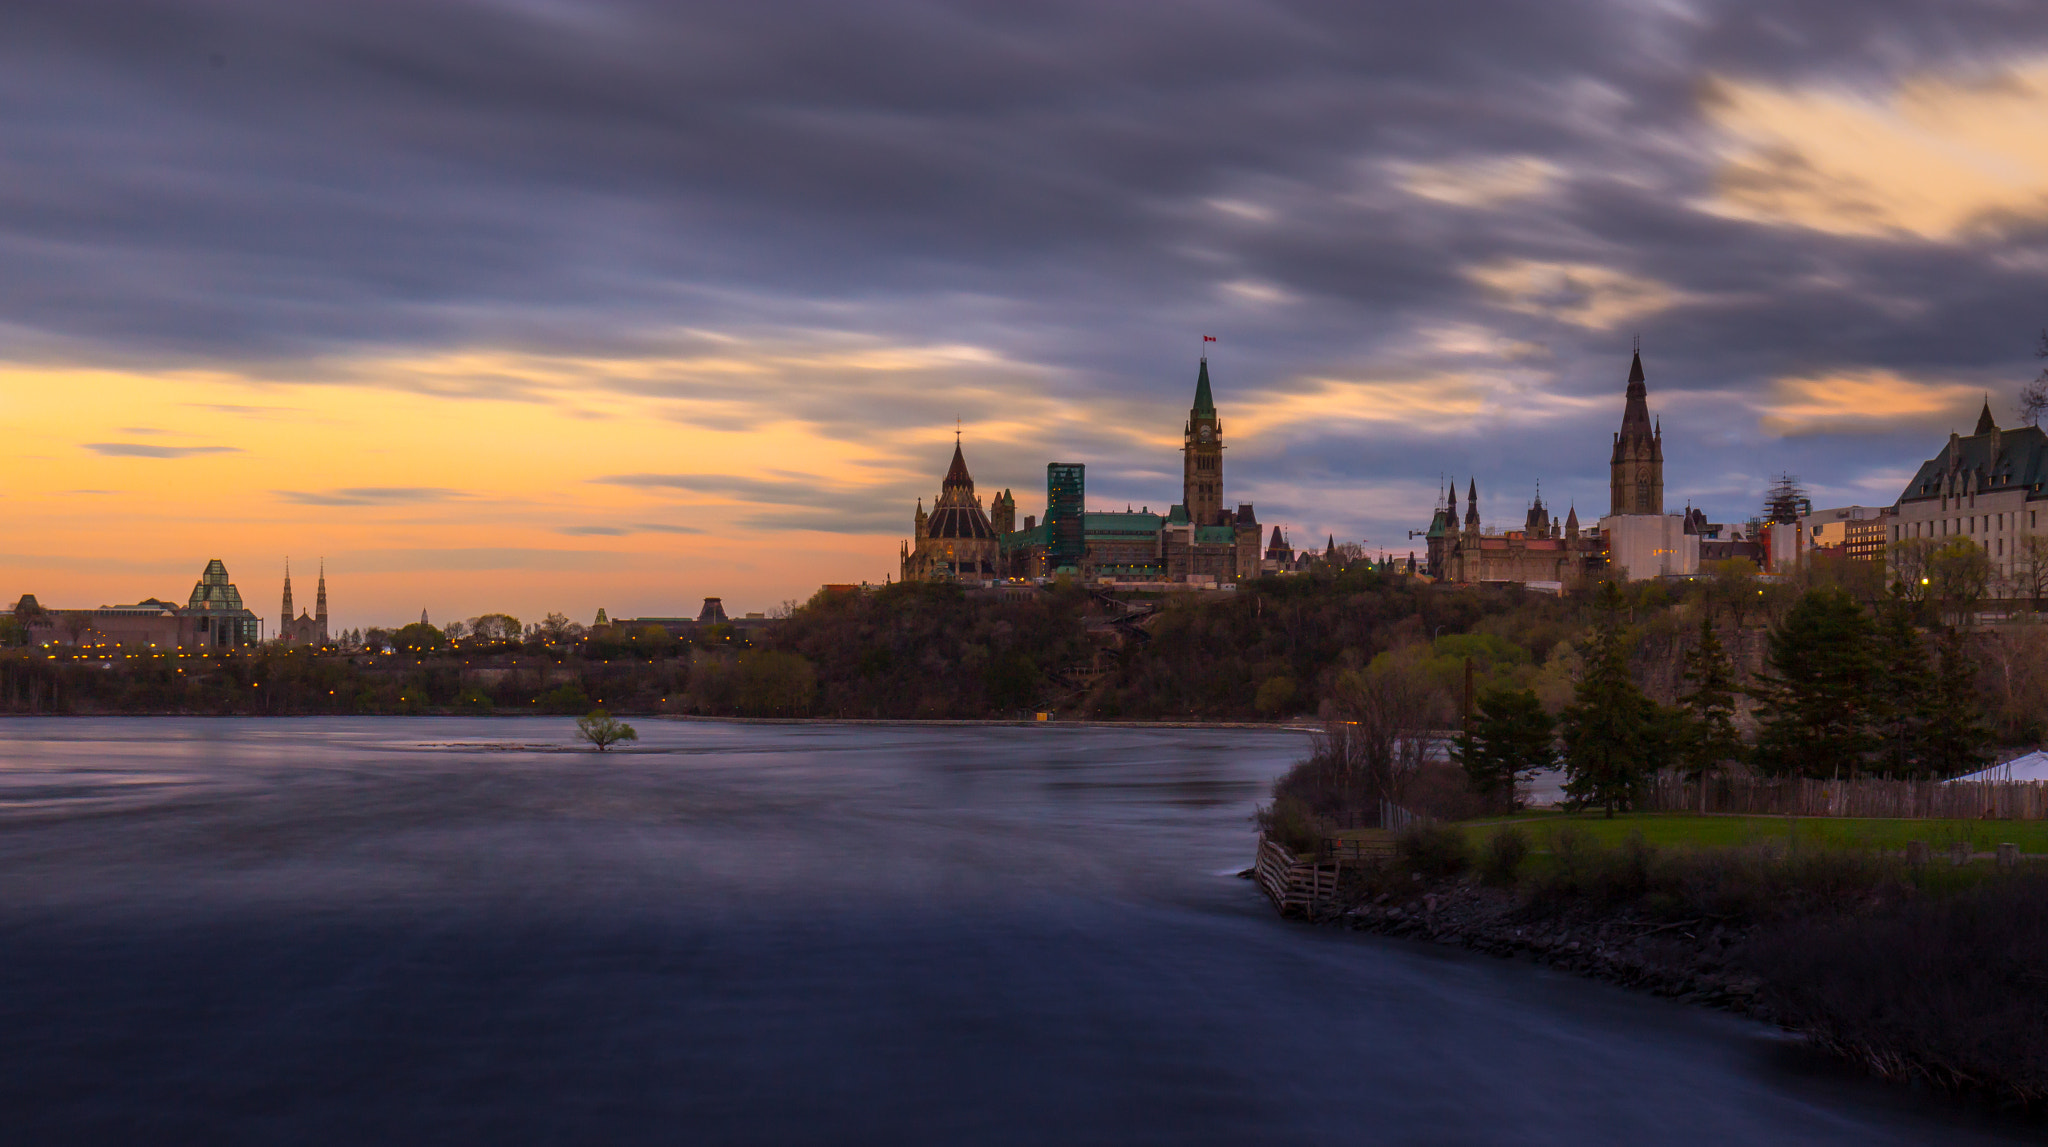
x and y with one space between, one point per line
1197 541
1636 539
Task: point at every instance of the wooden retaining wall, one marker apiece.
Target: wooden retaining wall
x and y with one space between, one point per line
1798 796
1292 884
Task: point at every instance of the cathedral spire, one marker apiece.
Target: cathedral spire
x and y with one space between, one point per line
287 592
1636 470
1985 423
320 601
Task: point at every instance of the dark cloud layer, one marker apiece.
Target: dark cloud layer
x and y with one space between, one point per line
1080 185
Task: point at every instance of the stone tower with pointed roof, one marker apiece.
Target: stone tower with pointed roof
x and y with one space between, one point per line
1202 456
1636 471
956 542
306 628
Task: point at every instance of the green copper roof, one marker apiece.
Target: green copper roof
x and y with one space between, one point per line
1204 404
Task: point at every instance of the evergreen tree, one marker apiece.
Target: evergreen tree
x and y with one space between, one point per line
1614 735
1509 738
1709 736
1815 702
1905 691
1953 739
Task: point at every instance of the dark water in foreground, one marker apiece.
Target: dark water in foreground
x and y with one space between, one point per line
398 931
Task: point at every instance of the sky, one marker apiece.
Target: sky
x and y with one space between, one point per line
531 305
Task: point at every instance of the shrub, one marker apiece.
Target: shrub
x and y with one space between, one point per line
1572 856
1290 823
1502 857
1948 990
564 699
1433 849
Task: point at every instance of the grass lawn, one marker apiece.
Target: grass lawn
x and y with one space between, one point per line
1681 830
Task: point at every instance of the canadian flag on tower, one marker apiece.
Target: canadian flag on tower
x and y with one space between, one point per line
1208 338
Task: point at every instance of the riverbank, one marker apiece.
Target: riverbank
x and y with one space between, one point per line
1922 973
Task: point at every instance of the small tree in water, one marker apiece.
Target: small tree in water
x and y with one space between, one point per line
603 730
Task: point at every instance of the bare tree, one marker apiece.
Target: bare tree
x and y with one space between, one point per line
2030 569
75 624
1908 558
1959 576
1386 712
2034 396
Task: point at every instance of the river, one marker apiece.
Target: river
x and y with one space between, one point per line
411 930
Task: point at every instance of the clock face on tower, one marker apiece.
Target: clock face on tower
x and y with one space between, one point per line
1205 434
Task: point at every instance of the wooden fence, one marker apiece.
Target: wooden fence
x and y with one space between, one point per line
1292 884
1963 800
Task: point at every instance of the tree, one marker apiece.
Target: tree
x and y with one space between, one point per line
1614 735
494 627
1955 734
1385 712
1904 688
1733 586
2034 396
1710 739
1814 701
1908 558
419 637
1958 576
1509 738
2016 658
554 629
603 730
2030 569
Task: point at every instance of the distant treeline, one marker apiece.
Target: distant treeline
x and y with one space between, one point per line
1310 645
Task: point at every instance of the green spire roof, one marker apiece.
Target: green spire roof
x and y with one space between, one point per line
1204 404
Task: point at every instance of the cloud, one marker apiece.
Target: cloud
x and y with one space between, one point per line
622 531
795 489
1582 294
1864 402
1485 182
1938 156
371 496
144 450
511 246
479 558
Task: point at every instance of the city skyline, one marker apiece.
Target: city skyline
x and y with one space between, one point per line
527 307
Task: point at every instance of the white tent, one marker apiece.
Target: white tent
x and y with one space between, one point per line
2032 767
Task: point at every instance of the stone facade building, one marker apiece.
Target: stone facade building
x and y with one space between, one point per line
1637 539
956 542
212 618
1641 540
1990 486
1196 541
1544 551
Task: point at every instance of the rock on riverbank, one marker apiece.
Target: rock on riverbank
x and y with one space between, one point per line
1691 960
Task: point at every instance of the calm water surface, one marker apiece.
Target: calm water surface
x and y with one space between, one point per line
447 930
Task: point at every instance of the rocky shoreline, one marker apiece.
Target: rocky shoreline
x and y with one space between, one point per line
1694 961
